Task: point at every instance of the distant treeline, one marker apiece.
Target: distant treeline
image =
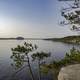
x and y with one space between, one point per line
17 38
68 39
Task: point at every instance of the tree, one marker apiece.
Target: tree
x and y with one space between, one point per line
40 57
71 15
20 55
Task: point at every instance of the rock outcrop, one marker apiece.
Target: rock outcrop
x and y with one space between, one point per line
71 72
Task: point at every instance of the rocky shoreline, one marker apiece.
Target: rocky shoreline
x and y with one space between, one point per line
71 72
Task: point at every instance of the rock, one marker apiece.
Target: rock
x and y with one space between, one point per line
71 72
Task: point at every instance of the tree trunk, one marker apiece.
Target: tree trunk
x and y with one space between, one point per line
32 76
39 70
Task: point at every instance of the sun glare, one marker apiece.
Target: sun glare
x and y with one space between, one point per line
3 26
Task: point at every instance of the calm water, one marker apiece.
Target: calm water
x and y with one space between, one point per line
57 50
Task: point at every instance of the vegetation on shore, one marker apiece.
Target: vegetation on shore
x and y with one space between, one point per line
68 39
72 57
17 38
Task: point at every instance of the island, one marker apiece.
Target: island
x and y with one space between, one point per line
19 38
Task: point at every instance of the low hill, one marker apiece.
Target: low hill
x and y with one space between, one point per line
20 38
68 39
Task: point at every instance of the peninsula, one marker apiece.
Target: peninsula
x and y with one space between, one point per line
68 39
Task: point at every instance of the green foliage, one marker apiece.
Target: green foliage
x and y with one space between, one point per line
18 59
40 55
45 69
20 56
68 39
72 57
71 15
72 18
20 53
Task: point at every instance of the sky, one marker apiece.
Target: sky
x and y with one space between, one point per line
32 19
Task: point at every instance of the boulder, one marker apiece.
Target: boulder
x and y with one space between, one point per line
71 72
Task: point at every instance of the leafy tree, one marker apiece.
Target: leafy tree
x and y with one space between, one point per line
71 14
20 55
40 57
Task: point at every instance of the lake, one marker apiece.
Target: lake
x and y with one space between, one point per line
7 72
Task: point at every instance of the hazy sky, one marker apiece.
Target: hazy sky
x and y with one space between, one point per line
31 18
